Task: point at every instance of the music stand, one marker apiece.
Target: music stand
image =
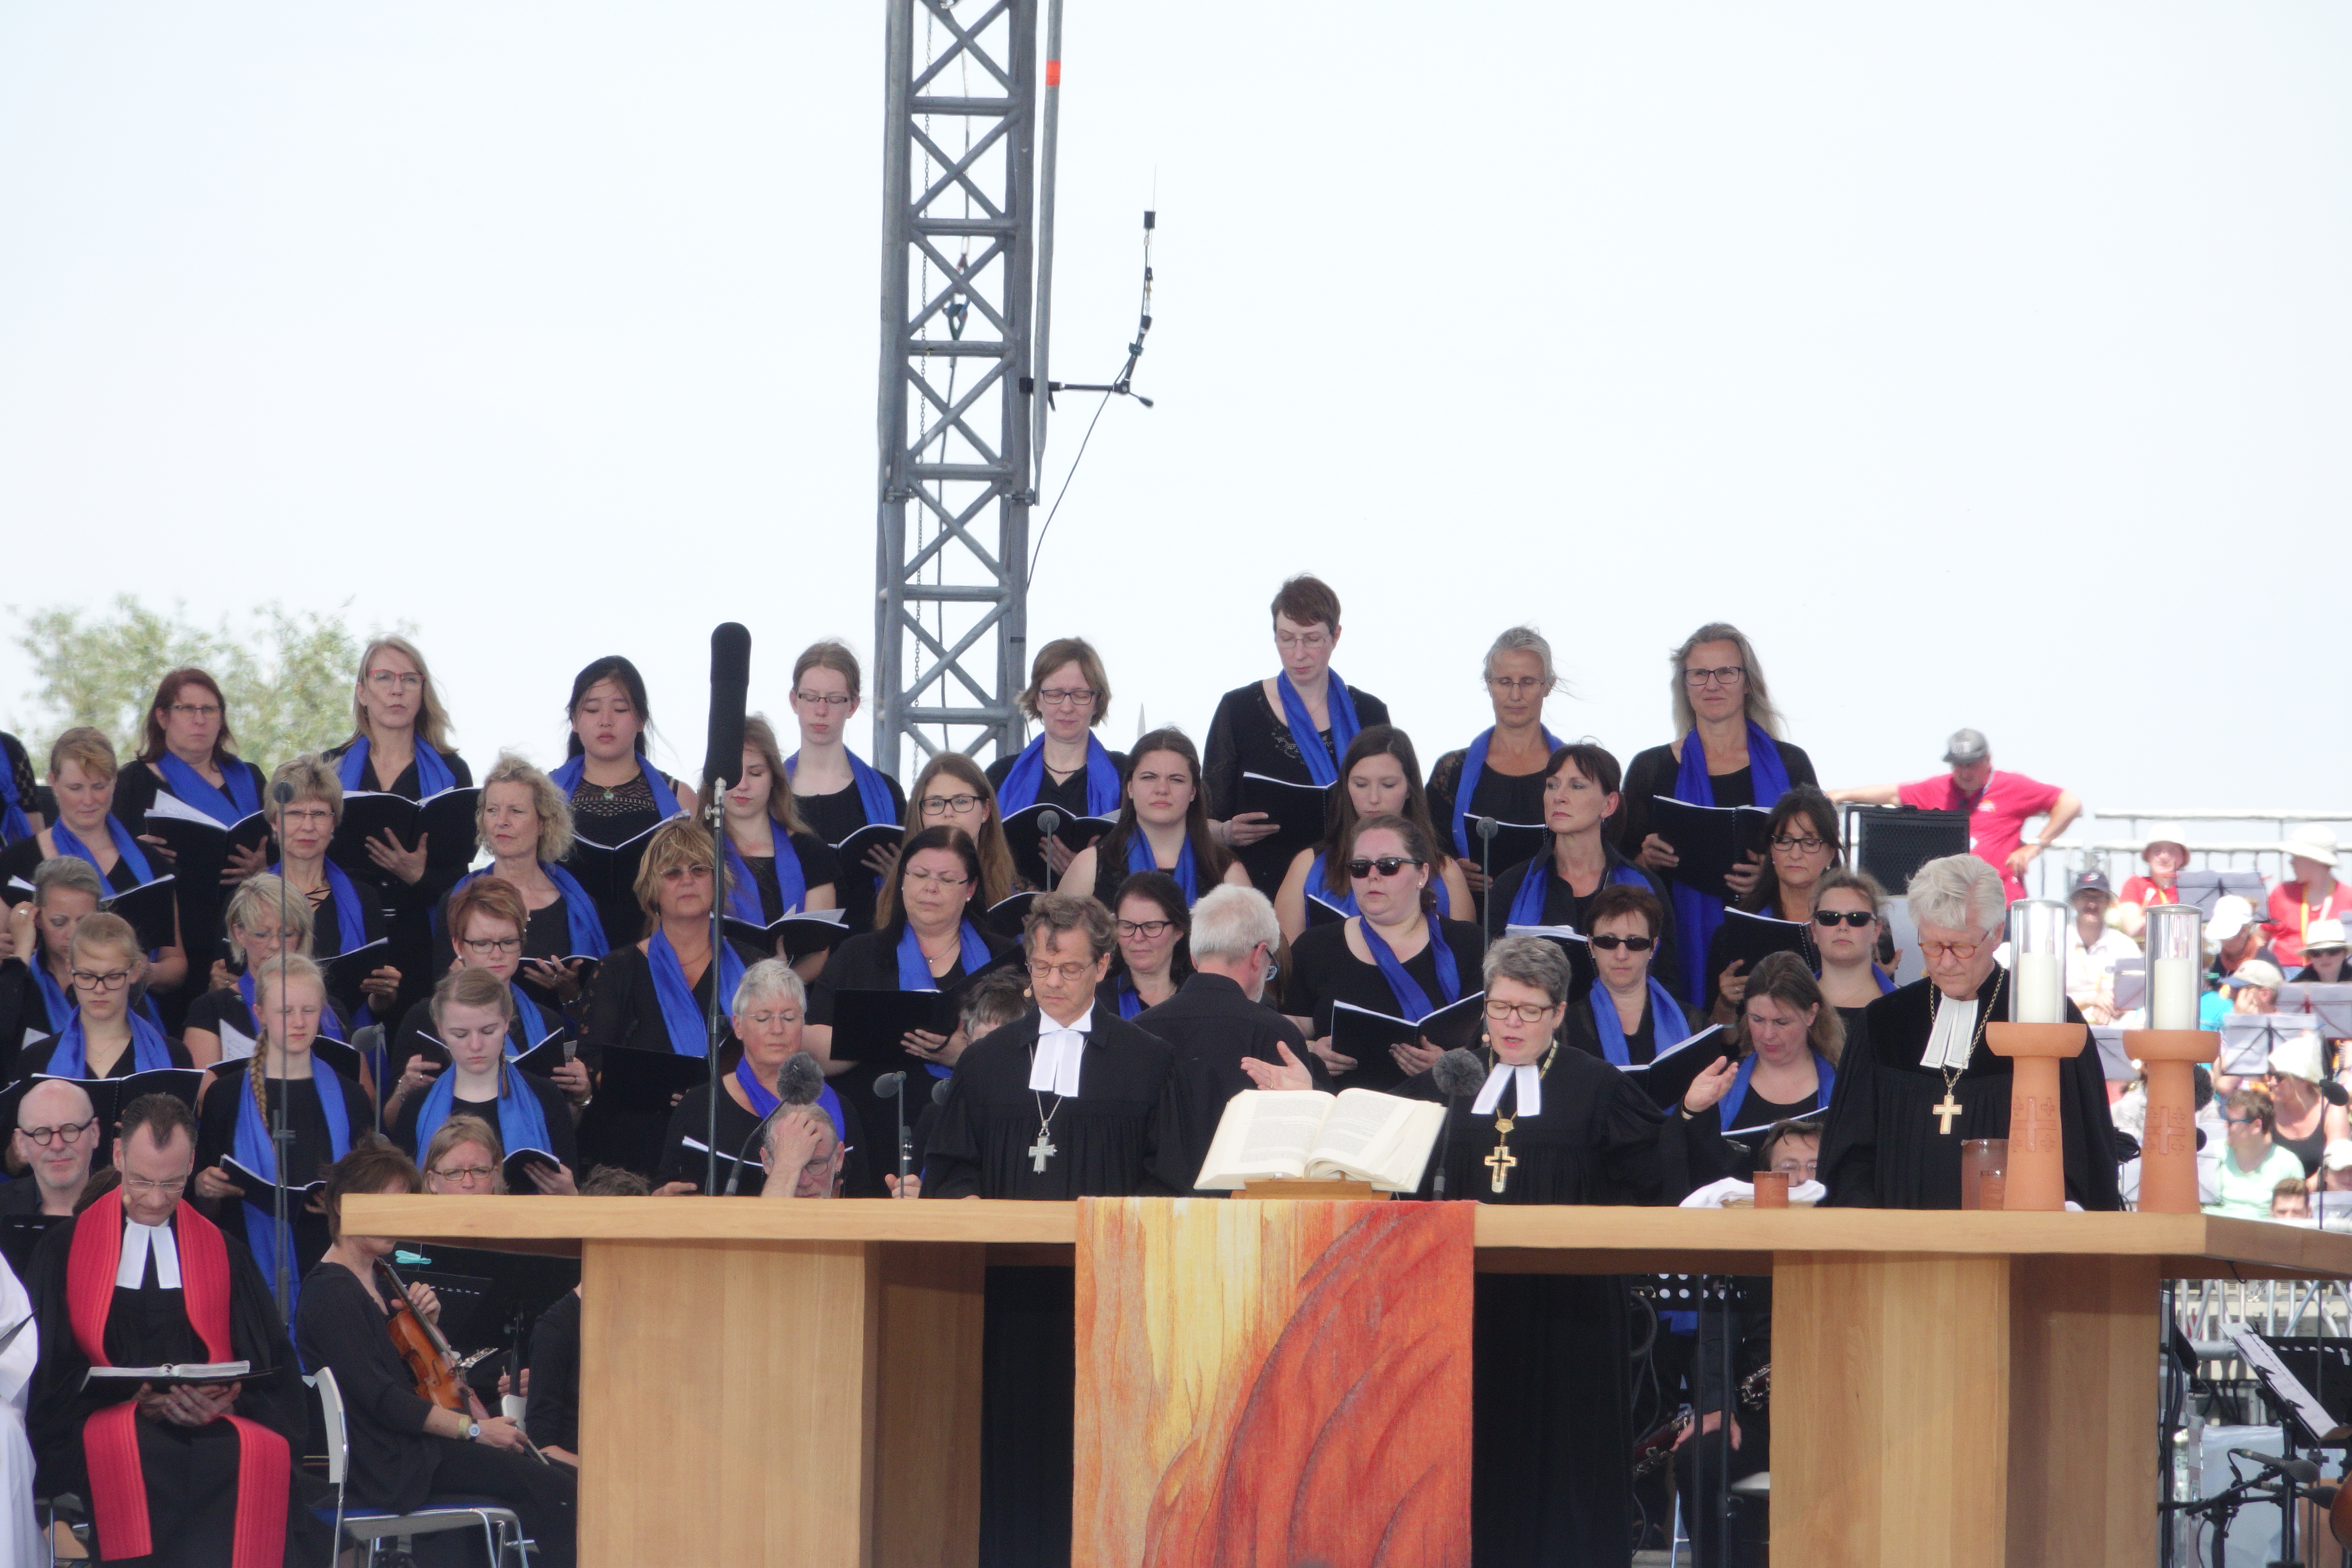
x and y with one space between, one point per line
2206 888
2249 1038
2329 1007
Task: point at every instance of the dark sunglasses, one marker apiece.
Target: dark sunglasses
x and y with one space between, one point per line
1833 919
1387 866
1631 944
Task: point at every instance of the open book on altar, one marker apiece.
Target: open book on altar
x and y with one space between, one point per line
1356 1134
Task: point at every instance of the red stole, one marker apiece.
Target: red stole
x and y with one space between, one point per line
110 1438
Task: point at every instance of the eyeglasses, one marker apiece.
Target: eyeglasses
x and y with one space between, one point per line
942 805
315 817
1524 1012
1804 1169
1515 686
1630 943
1312 642
1809 843
464 1175
1832 919
1963 950
2243 1121
672 873
1387 866
2326 952
490 946
395 679
68 1131
1149 929
1066 971
1724 677
824 698
941 879
1066 697
764 1019
172 1189
195 709
113 980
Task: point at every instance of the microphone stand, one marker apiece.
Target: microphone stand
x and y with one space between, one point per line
1486 873
714 811
281 1136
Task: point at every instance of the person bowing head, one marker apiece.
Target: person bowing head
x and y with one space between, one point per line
1066 766
342 919
1294 725
1726 751
524 820
1163 825
775 866
265 920
189 752
486 920
82 777
1500 774
1381 776
615 792
1789 1040
952 792
835 791
1152 923
1581 805
473 1011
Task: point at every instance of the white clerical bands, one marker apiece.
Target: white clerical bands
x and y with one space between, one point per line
1529 1096
137 1240
1055 1067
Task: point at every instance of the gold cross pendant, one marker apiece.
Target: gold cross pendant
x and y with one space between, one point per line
1945 1112
1502 1163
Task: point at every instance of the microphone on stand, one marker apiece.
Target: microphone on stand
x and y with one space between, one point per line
281 1136
892 1087
940 1090
1457 1073
1049 823
1487 825
722 763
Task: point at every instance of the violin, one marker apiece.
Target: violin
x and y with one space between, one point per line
430 1361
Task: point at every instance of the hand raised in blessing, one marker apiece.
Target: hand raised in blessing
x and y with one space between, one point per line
1711 1085
1290 1074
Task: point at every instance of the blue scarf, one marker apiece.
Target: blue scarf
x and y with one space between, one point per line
1409 993
689 1033
1885 981
1474 762
1696 914
764 1104
1186 870
350 915
53 996
915 970
1320 766
743 889
124 845
70 1059
1664 1015
433 775
254 1151
529 1021
1528 903
522 1123
1129 1002
873 790
1344 897
329 1023
1736 1095
241 801
1027 776
14 822
567 779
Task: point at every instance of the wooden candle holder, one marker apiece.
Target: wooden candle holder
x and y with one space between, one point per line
2168 1146
2036 1176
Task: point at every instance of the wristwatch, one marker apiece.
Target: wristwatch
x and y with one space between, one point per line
473 1431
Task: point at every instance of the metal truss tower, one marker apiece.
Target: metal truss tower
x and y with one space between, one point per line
951 623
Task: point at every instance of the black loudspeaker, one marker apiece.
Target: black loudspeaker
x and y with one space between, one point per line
1891 842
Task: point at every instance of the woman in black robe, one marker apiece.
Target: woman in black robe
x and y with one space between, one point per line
1581 804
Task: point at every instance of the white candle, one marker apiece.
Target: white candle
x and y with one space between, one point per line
2172 993
2041 999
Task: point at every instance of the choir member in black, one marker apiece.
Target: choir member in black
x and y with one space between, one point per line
1552 1472
835 791
400 745
551 1400
1066 766
57 1137
1789 1041
106 1036
1627 1017
1802 837
1295 725
952 792
342 917
1504 767
1720 697
524 820
1151 922
775 866
615 790
472 1012
1924 1081
932 943
485 919
464 1158
655 995
20 794
769 1015
405 1450
36 981
324 1110
224 1014
1224 1034
1066 1102
1397 957
1163 825
151 1282
1379 775
1849 920
82 778
1581 799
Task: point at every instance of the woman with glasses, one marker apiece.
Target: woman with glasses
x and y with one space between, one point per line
775 866
1789 1039
1397 957
1066 766
615 792
1501 773
487 919
524 820
472 1011
36 981
835 791
464 1159
1381 776
1726 751
1163 825
1151 922
1801 836
342 919
106 1036
1294 725
1580 800
952 792
1628 1017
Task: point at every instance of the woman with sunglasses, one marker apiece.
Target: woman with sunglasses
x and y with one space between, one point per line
1381 776
1163 825
1849 918
1396 957
835 791
37 989
1628 1017
1802 834
1580 800
1152 924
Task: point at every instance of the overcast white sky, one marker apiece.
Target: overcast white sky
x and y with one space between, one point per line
1990 364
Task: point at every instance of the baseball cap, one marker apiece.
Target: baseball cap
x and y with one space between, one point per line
2231 914
2091 882
2259 972
1966 746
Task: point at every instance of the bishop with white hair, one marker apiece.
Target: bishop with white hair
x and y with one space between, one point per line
1924 1081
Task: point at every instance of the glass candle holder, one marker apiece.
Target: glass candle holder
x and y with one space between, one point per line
2037 959
2175 959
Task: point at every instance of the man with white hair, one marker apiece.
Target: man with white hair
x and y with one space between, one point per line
1922 1080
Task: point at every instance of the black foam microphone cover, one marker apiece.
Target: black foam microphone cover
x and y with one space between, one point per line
731 687
282 791
940 1090
889 1085
1457 1073
801 1081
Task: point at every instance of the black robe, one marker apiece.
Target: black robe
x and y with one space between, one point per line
1551 1448
1214 1027
1324 970
1248 734
407 907
1563 906
625 1013
190 1473
1881 1148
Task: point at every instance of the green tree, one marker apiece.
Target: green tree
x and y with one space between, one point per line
287 676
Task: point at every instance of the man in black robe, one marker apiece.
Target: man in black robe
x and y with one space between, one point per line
1063 1102
1218 1022
151 1282
1924 1079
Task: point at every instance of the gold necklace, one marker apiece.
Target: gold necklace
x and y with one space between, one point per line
1950 1107
1501 1161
